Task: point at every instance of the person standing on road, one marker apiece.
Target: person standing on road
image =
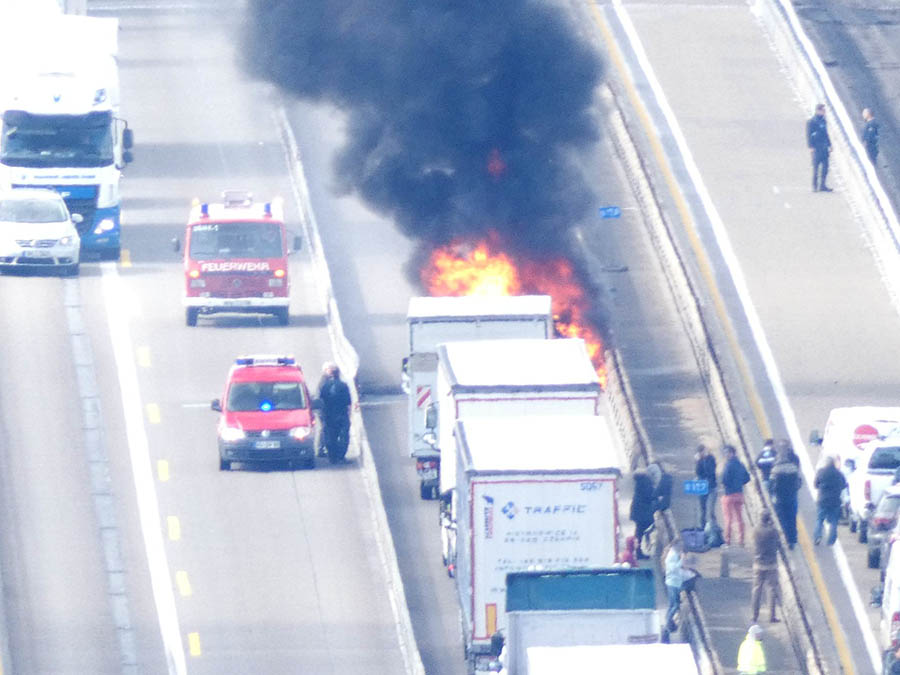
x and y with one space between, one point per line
785 478
751 657
765 461
734 478
765 565
870 134
830 483
819 148
674 581
642 503
706 470
335 401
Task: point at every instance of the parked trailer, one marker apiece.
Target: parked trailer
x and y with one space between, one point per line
510 377
432 321
586 607
532 493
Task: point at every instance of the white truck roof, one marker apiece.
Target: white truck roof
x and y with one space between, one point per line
671 659
561 365
546 443
474 306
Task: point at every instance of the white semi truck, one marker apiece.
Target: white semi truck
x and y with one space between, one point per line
432 321
532 493
581 608
509 377
61 124
671 659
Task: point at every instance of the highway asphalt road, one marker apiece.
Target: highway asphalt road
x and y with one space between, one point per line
252 571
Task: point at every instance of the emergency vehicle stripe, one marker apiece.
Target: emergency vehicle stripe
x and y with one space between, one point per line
423 395
490 618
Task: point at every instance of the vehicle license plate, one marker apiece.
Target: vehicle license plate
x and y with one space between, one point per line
35 254
267 445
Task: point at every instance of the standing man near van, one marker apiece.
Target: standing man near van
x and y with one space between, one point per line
830 483
819 148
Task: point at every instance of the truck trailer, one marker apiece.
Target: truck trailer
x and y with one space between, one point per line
432 321
532 493
509 377
578 608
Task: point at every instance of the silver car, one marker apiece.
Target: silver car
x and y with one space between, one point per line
37 232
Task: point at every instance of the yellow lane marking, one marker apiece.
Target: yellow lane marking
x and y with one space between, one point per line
719 304
174 530
143 357
194 644
184 586
153 415
162 470
124 261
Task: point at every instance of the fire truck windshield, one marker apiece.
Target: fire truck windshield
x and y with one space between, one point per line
228 241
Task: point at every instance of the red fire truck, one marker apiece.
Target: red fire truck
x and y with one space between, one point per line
236 258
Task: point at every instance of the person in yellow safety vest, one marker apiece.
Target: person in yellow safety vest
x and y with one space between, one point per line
751 657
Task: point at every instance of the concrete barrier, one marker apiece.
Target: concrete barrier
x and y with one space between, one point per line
348 361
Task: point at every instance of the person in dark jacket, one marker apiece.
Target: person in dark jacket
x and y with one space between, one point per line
765 461
786 482
870 134
819 145
642 507
831 483
734 478
765 565
706 470
662 486
335 403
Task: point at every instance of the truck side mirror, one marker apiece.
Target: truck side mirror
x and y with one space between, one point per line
815 438
176 244
431 417
128 157
127 140
77 218
216 405
497 642
404 375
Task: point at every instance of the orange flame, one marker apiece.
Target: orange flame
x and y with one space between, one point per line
460 269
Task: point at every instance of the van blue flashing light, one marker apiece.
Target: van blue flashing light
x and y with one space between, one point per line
265 361
265 406
204 210
268 209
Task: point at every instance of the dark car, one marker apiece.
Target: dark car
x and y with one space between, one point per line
883 526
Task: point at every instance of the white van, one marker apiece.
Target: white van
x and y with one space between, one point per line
890 600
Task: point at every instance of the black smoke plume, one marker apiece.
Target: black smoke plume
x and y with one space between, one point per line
464 115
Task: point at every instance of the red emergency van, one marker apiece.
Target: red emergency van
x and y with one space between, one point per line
236 258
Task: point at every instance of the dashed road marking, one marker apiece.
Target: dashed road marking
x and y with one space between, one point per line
162 470
143 356
194 644
174 526
184 585
153 415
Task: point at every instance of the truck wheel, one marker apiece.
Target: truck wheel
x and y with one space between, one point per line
863 532
425 491
224 465
190 316
283 315
874 558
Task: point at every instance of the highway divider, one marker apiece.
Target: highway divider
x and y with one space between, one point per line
348 361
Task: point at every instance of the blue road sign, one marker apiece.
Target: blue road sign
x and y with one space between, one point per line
610 211
696 487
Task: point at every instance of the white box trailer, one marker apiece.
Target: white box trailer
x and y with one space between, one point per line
671 659
532 493
576 608
432 321
510 377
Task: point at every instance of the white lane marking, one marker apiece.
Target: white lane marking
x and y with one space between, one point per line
753 321
139 452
